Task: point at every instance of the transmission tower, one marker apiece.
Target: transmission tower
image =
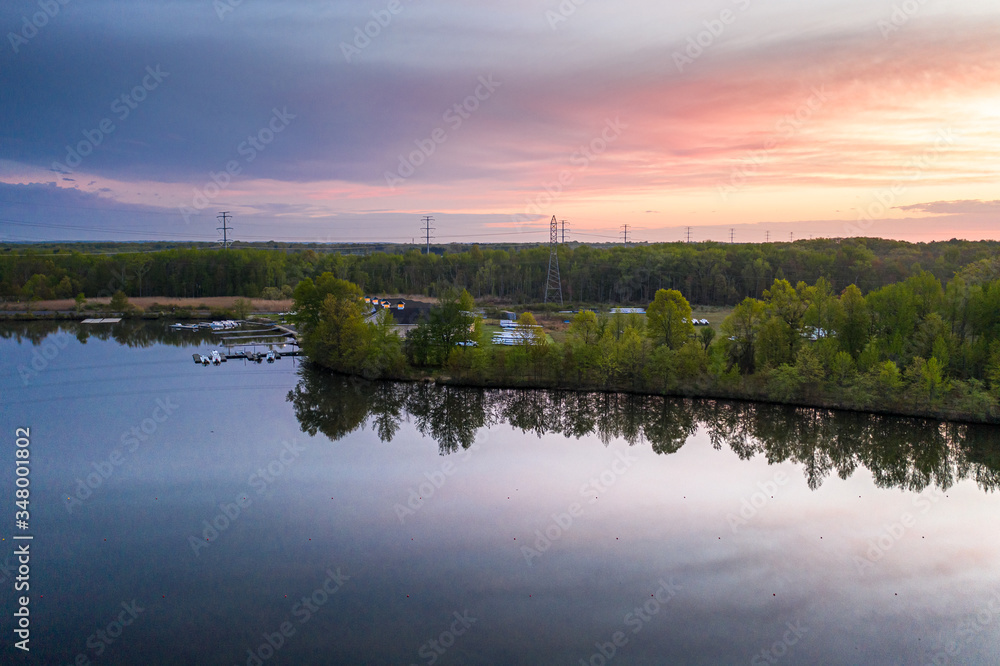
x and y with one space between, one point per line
767 236
224 217
564 232
732 233
553 282
688 234
625 234
427 219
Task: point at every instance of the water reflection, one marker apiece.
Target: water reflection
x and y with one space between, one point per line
905 453
136 333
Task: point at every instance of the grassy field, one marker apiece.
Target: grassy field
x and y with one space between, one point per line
714 314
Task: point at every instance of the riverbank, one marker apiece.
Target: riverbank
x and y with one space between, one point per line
937 414
810 399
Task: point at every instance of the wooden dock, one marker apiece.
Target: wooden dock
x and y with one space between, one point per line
289 330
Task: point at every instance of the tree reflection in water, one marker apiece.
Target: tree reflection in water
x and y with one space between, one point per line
905 453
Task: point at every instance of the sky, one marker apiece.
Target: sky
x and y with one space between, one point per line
349 121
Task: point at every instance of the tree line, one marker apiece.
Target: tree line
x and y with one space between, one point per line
707 273
917 346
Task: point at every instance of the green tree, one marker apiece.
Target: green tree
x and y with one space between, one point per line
787 305
707 334
384 353
691 361
855 321
119 303
842 368
450 322
889 378
926 379
669 319
993 366
784 382
772 343
741 329
242 308
631 352
823 307
584 329
37 288
310 298
340 338
528 331
65 288
809 365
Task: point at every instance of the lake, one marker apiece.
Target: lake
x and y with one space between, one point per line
272 514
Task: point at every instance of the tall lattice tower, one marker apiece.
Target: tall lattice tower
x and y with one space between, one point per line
554 282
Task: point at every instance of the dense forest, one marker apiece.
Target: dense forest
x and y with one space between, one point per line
707 273
913 347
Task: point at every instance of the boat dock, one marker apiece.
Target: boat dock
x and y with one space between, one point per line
270 342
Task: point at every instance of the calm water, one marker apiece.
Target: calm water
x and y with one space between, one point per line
411 524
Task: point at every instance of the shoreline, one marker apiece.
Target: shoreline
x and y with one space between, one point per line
444 379
705 394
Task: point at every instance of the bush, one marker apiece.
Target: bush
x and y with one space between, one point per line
784 382
119 303
242 307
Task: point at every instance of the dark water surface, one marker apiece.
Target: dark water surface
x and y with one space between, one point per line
380 523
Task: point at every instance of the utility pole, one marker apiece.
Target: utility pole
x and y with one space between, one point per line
564 232
625 234
224 216
427 219
553 282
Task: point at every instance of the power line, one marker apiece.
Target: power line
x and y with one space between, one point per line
427 219
224 216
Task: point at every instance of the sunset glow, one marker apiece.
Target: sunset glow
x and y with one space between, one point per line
766 118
